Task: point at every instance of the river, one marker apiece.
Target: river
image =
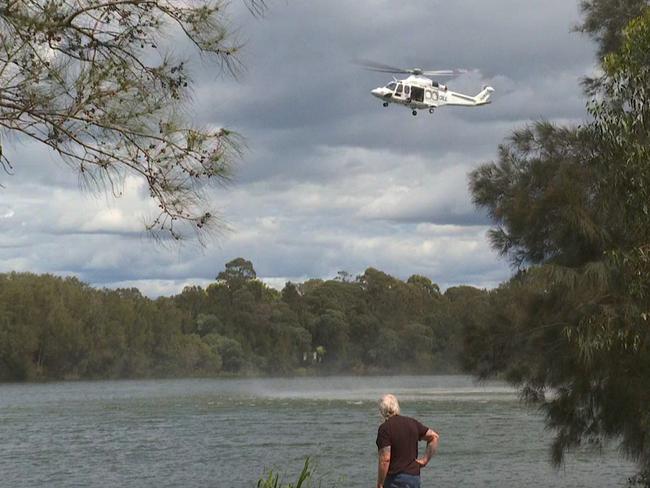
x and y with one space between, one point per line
226 433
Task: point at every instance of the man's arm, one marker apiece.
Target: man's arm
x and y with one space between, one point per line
382 465
432 446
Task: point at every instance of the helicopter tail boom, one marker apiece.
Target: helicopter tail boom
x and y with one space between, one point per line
482 98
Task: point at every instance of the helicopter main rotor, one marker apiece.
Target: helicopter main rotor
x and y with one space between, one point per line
385 68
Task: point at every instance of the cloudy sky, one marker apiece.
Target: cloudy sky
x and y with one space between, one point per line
331 180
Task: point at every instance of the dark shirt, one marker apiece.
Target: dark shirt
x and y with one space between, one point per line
402 435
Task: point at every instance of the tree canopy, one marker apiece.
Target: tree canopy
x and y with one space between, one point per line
93 81
570 208
605 20
55 328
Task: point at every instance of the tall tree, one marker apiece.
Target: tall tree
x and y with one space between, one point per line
604 20
571 208
91 80
237 272
538 194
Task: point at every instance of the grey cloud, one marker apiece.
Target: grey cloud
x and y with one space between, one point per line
302 72
331 180
34 164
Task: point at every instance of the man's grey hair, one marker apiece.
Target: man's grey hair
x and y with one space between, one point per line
388 406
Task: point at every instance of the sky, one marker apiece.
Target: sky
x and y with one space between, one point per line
330 179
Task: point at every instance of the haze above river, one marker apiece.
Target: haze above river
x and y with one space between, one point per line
225 433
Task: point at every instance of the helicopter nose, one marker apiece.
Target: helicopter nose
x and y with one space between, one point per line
378 92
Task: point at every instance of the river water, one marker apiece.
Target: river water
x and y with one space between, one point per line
226 433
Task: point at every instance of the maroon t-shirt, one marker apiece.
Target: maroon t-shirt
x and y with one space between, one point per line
402 435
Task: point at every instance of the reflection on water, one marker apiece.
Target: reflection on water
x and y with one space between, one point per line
224 433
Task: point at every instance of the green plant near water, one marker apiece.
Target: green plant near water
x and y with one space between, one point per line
272 480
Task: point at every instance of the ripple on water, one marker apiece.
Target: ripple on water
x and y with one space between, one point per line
192 433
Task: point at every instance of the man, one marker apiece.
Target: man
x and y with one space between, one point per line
397 441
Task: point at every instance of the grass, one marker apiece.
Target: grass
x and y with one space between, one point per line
272 480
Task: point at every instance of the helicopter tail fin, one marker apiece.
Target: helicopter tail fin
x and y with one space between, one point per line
484 95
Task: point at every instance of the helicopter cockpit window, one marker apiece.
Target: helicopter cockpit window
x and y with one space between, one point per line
391 86
407 90
399 89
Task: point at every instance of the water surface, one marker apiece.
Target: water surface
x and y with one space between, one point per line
226 433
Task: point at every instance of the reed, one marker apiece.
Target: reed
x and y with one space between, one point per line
272 480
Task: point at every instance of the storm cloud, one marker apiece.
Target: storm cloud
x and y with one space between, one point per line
330 180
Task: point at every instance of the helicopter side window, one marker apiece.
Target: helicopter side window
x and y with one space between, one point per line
399 89
407 90
391 86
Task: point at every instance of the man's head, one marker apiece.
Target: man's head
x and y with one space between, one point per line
388 406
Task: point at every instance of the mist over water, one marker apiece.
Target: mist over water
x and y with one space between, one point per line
407 388
225 433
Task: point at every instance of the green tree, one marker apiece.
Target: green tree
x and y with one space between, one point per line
54 328
619 326
237 273
208 323
17 345
229 350
192 299
288 340
191 356
331 330
417 339
538 194
425 284
92 80
571 208
604 20
386 296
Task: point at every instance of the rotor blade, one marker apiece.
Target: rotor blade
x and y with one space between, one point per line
445 72
396 71
379 67
385 68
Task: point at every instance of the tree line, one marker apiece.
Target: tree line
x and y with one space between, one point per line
61 328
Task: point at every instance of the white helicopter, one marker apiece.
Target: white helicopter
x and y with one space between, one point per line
420 92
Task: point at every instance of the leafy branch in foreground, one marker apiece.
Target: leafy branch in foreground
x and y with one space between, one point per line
605 20
89 79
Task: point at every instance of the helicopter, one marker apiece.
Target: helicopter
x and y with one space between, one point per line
418 91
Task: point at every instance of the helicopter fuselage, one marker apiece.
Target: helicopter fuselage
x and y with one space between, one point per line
420 92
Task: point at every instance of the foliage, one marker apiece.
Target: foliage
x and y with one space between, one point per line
538 195
237 272
54 328
571 212
93 81
61 328
605 20
272 480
